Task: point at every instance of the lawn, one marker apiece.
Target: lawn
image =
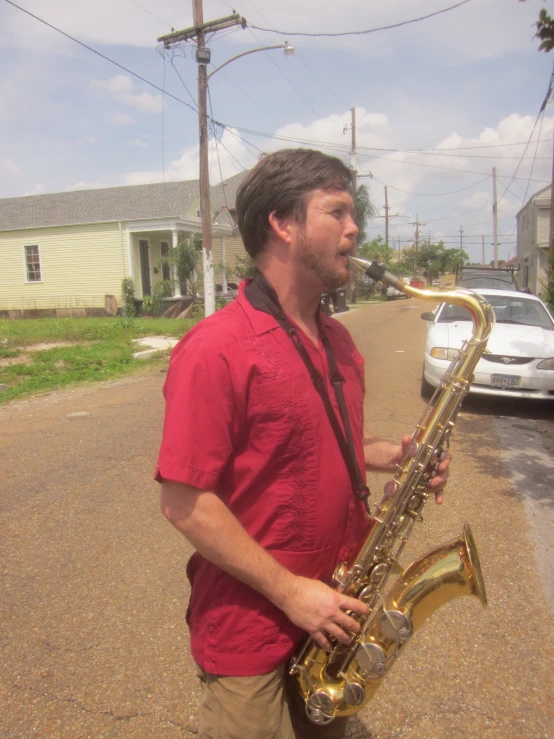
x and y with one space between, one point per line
101 348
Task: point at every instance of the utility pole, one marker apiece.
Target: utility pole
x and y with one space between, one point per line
483 251
353 168
386 216
494 218
417 224
198 33
461 246
550 262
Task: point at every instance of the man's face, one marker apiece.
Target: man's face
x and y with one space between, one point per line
327 238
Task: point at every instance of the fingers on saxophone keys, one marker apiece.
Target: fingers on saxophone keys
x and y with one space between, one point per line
322 641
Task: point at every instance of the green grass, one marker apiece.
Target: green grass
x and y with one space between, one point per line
21 333
103 349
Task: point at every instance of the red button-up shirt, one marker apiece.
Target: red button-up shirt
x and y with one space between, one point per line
243 419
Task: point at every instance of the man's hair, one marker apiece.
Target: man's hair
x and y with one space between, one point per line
281 182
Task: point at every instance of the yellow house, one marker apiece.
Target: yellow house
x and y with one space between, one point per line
65 253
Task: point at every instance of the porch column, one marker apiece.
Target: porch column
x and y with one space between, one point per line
174 244
223 267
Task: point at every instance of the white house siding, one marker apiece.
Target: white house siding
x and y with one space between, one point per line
80 265
533 229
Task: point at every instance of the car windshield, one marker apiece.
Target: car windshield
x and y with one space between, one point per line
507 309
502 279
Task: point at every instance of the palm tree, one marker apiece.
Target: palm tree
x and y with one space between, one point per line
364 210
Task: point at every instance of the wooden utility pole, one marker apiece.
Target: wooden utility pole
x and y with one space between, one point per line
386 216
494 218
353 166
198 33
550 262
483 251
461 246
417 224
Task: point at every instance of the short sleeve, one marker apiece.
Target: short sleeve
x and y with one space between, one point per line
200 416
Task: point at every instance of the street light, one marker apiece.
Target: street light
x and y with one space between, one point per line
203 58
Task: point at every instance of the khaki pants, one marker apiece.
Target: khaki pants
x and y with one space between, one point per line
259 707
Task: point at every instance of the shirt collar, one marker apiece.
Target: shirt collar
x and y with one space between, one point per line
261 322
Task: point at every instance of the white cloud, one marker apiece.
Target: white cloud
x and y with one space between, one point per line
8 166
120 119
120 88
484 29
139 143
233 156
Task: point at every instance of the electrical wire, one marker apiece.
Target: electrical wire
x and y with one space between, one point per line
169 25
286 76
432 194
98 53
361 33
184 85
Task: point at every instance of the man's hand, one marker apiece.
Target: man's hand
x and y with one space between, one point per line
438 482
320 610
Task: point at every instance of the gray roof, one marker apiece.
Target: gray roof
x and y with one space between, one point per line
129 203
226 192
109 204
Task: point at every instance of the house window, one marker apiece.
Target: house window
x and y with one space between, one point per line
32 264
198 212
164 249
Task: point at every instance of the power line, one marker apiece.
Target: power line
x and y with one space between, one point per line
431 194
103 56
170 25
361 33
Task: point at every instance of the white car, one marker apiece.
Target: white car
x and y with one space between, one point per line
519 359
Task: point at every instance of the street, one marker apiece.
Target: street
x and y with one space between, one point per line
94 641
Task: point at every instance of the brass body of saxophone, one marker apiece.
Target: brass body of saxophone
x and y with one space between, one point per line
343 681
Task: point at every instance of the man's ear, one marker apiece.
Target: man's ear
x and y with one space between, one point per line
280 227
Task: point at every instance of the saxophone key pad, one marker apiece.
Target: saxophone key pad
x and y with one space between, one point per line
320 708
353 694
396 626
371 659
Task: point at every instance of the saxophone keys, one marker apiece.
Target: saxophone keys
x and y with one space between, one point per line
320 708
371 659
390 489
353 694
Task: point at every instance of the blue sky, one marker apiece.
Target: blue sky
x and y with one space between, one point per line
471 77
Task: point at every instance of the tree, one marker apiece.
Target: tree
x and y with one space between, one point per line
432 260
545 30
182 258
376 250
364 210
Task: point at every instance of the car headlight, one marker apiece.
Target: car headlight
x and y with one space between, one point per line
546 364
439 352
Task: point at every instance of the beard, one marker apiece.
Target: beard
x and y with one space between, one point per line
326 271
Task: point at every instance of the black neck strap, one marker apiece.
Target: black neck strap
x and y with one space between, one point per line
262 296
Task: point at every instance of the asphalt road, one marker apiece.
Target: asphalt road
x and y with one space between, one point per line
92 633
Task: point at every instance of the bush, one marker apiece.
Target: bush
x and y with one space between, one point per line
128 297
366 290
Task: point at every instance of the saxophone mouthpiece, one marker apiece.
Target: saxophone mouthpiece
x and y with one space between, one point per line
375 270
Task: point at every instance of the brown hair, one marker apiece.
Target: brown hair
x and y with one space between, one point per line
280 182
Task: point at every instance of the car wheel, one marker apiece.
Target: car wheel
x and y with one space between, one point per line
427 389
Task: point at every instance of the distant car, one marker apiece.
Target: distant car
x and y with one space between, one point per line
495 278
392 293
519 360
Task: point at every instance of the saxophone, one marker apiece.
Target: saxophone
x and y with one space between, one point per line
343 681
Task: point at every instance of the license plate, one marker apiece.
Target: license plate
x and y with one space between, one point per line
505 380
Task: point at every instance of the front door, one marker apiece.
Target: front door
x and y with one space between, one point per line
145 267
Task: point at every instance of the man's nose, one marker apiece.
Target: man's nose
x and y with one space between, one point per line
351 229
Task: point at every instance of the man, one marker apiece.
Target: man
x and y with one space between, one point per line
251 468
